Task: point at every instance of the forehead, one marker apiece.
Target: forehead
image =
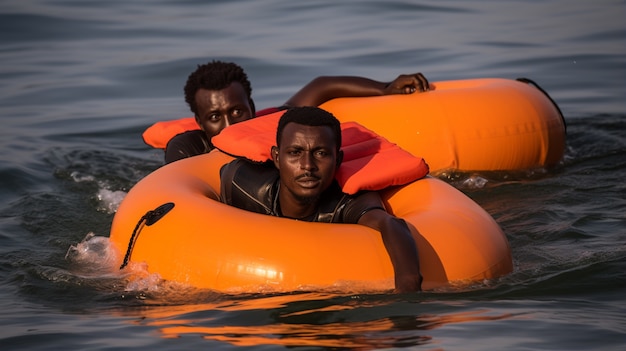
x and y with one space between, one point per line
299 134
234 93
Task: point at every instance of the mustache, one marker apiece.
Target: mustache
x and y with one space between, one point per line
308 175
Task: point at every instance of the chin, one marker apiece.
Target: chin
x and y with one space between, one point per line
307 199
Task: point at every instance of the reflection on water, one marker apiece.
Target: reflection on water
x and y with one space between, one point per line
307 319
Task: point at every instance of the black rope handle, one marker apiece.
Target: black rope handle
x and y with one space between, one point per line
530 81
148 219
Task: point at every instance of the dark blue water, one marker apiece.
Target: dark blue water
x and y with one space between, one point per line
81 80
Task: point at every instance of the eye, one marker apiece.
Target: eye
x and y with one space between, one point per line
294 152
238 115
214 117
321 154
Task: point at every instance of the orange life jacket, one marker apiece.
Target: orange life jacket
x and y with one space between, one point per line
370 162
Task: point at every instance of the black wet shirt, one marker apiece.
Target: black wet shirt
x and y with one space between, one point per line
254 187
187 144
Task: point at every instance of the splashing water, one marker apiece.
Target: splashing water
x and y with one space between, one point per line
95 254
97 257
110 200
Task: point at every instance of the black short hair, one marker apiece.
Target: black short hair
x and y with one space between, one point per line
215 75
309 116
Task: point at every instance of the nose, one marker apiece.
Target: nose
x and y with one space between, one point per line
307 161
227 121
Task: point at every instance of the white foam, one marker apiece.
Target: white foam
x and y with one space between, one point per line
97 257
78 178
94 255
110 200
475 182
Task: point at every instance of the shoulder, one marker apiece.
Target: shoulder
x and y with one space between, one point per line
189 137
339 207
242 166
187 144
247 175
249 185
359 204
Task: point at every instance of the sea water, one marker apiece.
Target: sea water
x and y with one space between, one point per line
81 80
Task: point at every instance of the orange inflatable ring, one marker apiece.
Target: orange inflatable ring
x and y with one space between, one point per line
173 222
488 124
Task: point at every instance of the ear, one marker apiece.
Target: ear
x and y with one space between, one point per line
275 152
198 122
339 159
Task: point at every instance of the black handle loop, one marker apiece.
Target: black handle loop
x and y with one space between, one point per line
148 219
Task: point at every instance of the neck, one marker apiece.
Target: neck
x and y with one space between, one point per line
296 208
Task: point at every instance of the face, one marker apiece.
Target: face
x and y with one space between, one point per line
217 109
307 161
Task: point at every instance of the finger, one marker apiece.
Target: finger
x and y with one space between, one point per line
424 86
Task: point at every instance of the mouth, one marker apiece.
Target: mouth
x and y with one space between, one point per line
308 181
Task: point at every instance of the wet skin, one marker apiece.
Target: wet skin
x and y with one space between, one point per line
307 161
217 109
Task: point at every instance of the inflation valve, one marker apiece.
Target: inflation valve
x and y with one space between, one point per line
148 219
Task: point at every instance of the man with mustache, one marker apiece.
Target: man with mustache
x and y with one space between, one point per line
300 184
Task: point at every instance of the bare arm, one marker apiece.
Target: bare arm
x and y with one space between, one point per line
400 246
322 89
